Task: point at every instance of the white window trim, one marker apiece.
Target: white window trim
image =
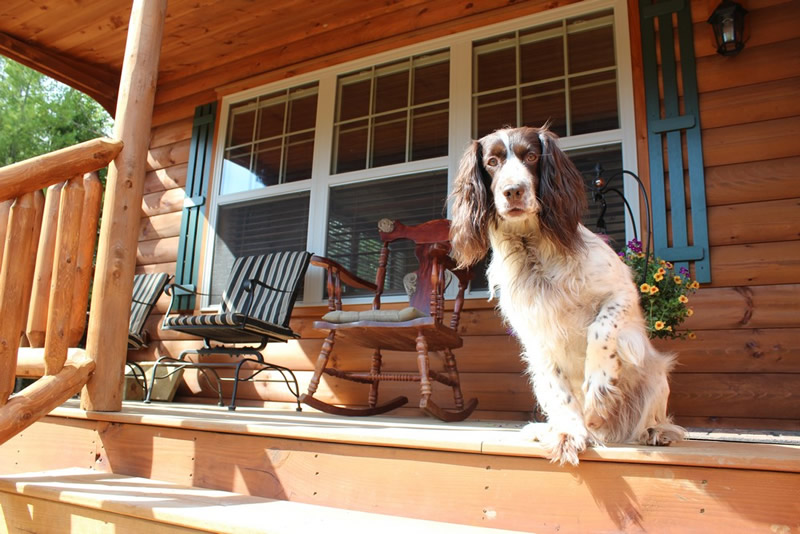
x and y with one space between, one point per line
460 125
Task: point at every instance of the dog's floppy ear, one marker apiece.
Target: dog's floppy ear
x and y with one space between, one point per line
561 194
470 209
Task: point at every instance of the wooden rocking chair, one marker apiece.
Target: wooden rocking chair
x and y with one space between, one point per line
419 328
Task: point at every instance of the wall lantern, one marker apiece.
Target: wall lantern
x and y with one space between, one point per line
728 22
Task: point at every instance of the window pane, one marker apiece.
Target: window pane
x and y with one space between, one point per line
236 174
270 120
354 98
545 102
541 59
610 158
389 140
268 162
354 212
299 156
256 227
303 113
591 49
241 123
432 82
496 64
351 147
391 91
593 102
495 111
429 132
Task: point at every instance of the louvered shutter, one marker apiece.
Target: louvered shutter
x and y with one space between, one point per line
197 172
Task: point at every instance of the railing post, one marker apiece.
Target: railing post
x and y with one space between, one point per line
17 266
116 258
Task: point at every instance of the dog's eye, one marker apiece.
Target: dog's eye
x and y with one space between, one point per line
492 162
531 157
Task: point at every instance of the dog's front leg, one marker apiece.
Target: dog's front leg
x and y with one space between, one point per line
564 435
602 396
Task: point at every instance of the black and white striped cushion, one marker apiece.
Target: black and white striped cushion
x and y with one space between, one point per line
282 272
230 327
146 290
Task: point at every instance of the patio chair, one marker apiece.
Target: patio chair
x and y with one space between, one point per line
418 328
147 289
256 307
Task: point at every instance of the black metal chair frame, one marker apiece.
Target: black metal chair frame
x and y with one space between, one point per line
176 364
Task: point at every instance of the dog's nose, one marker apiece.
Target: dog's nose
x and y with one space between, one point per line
513 192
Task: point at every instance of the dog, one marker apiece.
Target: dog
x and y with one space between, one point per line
565 294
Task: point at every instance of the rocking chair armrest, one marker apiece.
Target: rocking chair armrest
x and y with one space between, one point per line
344 275
169 289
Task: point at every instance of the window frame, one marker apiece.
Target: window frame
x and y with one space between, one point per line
460 127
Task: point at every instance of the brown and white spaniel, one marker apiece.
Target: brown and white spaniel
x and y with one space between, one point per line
565 293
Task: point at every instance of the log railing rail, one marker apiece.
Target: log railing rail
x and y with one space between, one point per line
44 278
66 370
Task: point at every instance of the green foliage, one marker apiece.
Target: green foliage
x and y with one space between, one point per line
39 115
663 292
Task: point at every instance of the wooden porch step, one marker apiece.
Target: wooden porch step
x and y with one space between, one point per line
84 501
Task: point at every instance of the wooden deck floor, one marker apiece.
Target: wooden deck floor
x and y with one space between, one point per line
479 473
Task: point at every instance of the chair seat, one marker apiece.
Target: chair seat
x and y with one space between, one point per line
228 327
390 335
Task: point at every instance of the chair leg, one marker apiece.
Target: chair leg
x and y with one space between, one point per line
290 381
322 363
424 370
375 371
452 371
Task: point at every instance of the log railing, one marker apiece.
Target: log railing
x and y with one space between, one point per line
45 274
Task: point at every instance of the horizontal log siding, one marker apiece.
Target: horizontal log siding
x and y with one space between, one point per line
743 368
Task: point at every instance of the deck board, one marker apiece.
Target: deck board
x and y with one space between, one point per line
479 437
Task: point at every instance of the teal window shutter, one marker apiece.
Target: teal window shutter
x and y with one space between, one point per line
666 127
197 172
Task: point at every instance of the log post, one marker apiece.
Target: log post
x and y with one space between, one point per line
40 294
5 211
93 195
63 283
17 263
106 341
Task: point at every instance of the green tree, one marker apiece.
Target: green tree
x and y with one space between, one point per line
39 115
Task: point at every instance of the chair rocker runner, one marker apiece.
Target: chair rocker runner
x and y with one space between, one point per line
418 328
256 307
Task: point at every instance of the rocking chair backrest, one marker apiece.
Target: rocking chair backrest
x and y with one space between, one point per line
432 245
279 272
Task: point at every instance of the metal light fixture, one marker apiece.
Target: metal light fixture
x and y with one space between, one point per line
728 22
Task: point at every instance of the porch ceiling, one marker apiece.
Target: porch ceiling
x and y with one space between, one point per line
81 42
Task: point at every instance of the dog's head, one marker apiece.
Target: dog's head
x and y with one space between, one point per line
515 178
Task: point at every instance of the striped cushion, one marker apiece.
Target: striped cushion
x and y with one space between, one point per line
231 327
280 271
146 290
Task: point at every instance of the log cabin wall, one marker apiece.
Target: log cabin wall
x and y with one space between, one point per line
741 371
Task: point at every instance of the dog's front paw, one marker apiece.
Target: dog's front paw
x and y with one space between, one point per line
664 433
561 446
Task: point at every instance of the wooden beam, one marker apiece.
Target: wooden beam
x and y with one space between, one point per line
91 80
48 169
47 393
116 256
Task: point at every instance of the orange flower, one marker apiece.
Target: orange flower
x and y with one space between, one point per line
644 288
661 271
683 299
689 312
692 335
658 277
694 285
653 290
659 325
677 279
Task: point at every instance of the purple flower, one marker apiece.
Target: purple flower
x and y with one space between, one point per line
684 271
635 245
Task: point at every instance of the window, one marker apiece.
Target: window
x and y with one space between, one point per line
562 73
314 162
392 113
